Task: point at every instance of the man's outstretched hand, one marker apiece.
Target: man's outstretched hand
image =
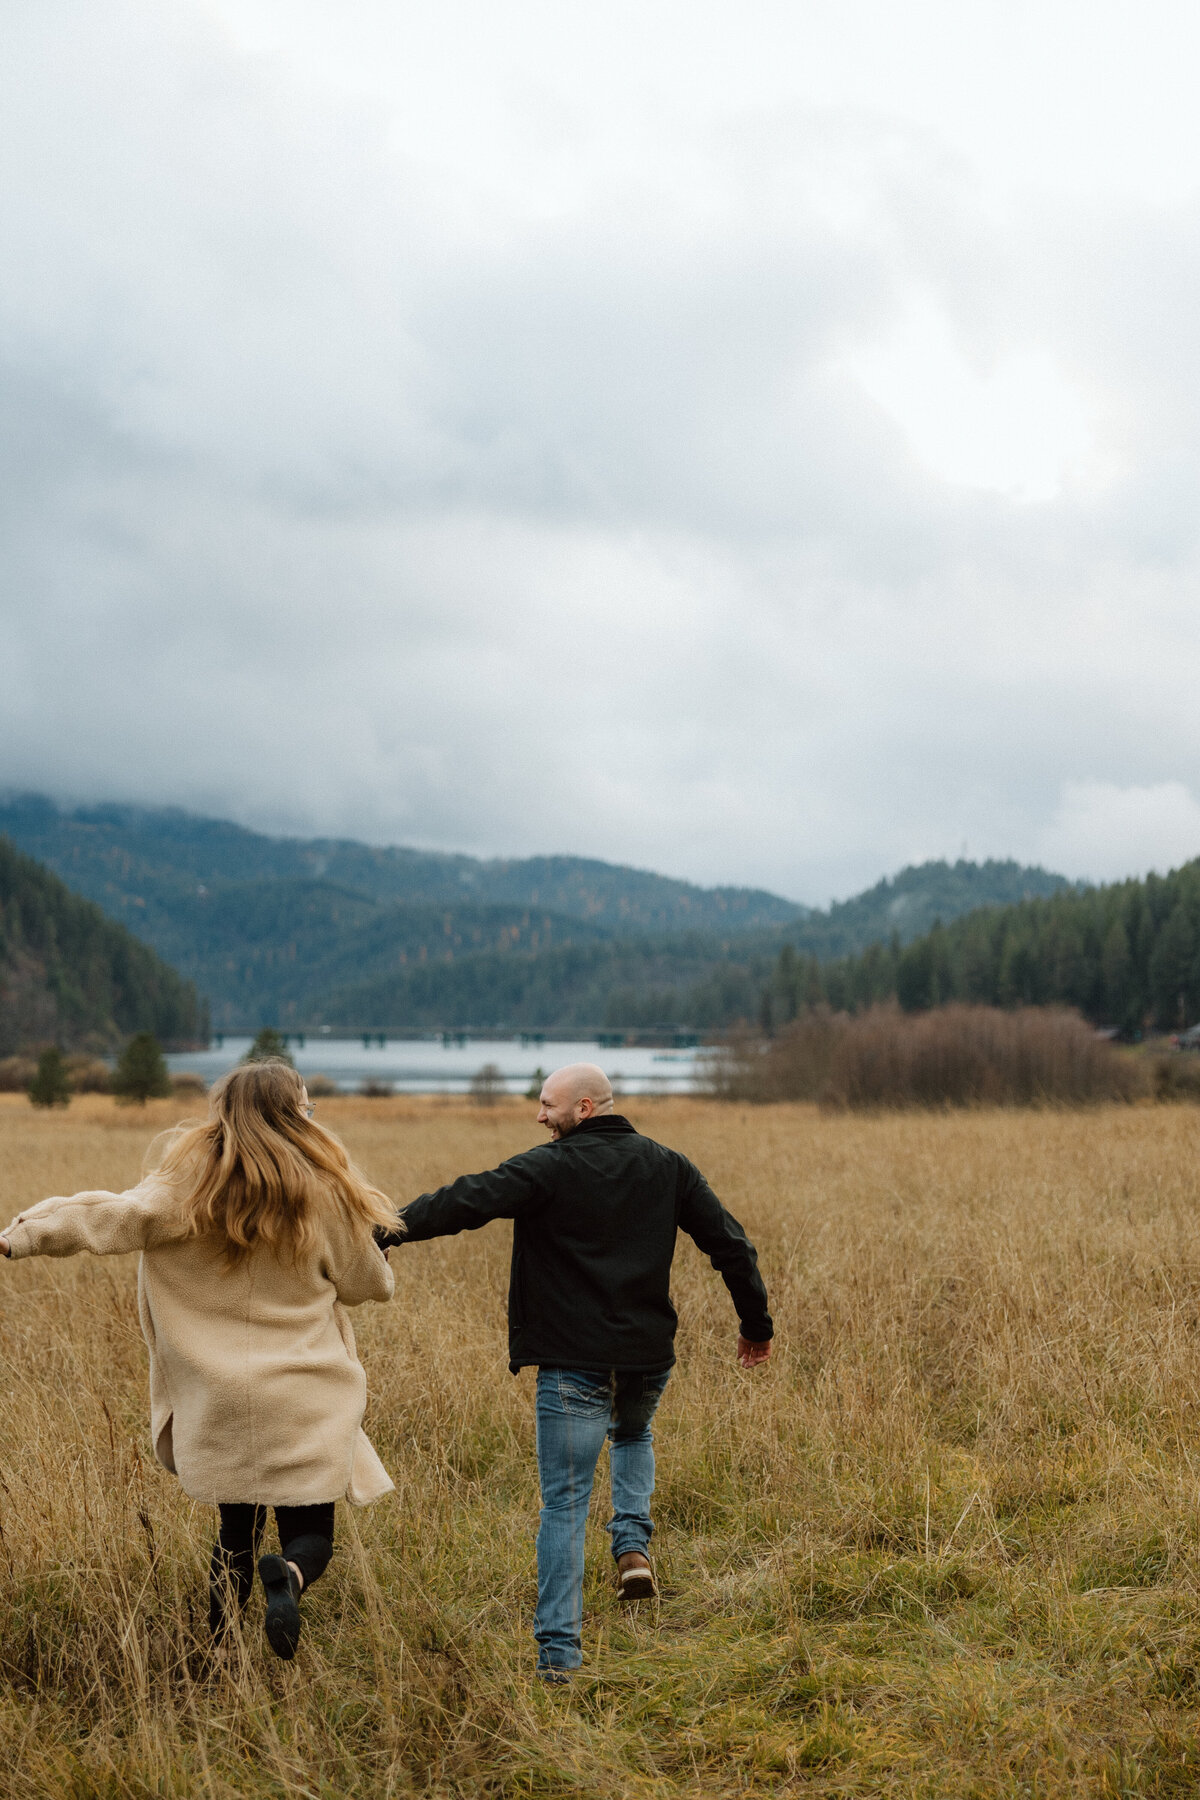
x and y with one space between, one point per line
749 1354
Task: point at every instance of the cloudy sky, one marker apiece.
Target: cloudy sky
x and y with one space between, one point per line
759 443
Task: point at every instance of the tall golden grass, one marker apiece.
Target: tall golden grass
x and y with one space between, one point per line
946 1543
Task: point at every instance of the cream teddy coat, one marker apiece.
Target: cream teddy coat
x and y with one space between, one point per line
256 1390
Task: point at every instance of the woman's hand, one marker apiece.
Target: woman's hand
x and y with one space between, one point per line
4 1249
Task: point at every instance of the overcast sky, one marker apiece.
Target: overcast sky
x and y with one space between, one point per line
759 443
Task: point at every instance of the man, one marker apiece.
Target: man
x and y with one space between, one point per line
595 1214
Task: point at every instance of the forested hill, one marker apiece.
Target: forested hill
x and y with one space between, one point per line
140 864
910 903
688 980
68 975
1127 955
296 934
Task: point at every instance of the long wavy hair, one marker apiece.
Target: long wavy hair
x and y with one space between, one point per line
259 1172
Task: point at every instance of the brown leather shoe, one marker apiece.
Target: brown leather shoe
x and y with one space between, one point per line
635 1577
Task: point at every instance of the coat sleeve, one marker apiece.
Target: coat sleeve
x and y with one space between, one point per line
365 1275
517 1186
718 1234
102 1223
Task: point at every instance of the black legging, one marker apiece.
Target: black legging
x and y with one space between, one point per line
305 1537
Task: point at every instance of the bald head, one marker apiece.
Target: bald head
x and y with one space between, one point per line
577 1092
580 1081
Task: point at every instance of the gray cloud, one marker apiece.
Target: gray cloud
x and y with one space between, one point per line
342 495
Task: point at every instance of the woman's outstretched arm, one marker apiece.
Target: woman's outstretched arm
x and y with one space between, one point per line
105 1224
360 1270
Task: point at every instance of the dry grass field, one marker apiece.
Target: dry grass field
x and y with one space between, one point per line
946 1543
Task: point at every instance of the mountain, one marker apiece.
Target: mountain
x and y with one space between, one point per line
1127 955
910 903
689 980
139 864
297 932
70 975
294 931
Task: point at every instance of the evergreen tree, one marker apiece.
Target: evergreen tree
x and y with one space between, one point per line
50 1086
1127 956
269 1046
97 979
787 982
814 986
141 1074
1117 972
1171 966
538 1082
766 1016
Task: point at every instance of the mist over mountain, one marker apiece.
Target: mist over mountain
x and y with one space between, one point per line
138 861
300 932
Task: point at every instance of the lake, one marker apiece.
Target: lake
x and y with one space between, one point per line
447 1065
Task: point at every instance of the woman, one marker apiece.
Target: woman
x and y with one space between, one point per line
255 1233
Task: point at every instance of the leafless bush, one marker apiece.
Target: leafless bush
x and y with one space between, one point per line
187 1083
16 1073
1175 1075
951 1056
373 1090
321 1087
88 1074
487 1086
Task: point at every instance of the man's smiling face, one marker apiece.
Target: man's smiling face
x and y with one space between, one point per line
571 1095
559 1108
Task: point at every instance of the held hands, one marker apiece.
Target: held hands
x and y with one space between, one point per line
750 1355
4 1249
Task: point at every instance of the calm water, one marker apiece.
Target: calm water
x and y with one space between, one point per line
432 1066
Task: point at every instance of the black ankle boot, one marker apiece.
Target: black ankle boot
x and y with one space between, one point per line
283 1611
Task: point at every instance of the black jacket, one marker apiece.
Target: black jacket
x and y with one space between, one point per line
595 1216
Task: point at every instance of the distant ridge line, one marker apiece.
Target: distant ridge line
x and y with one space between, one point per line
297 933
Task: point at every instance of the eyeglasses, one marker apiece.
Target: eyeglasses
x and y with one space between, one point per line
309 1111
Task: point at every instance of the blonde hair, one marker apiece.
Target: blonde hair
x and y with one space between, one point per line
259 1172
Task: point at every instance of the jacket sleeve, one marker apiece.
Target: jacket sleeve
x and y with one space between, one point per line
517 1186
104 1224
719 1235
365 1274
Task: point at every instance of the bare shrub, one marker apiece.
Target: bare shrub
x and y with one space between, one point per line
1175 1075
370 1090
487 1085
321 1087
16 1073
187 1083
951 1056
793 1066
88 1074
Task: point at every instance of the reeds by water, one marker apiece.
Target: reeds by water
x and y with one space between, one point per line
951 1056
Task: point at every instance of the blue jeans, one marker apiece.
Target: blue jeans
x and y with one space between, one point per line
576 1410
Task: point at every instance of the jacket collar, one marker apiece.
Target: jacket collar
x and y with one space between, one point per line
604 1122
